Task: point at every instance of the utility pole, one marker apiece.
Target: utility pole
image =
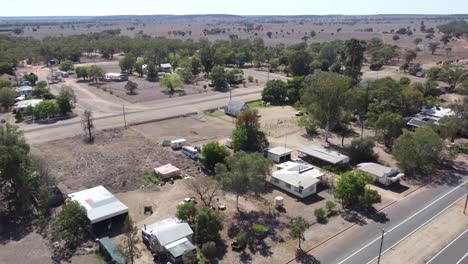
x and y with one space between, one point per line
381 244
125 120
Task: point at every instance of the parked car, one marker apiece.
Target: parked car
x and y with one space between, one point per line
299 113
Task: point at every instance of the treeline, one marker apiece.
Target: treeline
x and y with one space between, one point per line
299 59
455 28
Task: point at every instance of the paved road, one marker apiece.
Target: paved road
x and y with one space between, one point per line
455 252
361 243
39 133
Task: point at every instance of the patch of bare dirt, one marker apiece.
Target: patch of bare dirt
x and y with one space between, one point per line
117 159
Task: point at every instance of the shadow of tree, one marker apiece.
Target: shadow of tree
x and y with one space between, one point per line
305 258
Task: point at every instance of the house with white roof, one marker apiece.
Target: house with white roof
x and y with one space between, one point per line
382 174
298 179
25 90
99 203
171 235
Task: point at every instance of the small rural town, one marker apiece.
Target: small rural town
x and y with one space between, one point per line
199 132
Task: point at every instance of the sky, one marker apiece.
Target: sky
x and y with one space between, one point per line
237 7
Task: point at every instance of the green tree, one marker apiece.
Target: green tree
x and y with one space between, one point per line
298 62
362 150
131 87
259 231
70 226
196 65
275 92
243 173
7 97
185 71
171 82
353 57
325 99
7 68
187 212
411 100
46 109
4 83
433 46
31 78
66 100
213 153
295 89
417 41
388 127
66 65
95 73
209 249
218 78
152 74
208 224
452 74
82 72
127 63
297 228
139 67
418 152
206 58
247 135
409 55
351 188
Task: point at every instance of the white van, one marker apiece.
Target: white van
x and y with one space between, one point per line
190 152
178 143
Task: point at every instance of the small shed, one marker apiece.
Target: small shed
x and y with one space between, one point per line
235 108
166 67
111 251
323 155
112 76
279 154
168 171
99 203
382 174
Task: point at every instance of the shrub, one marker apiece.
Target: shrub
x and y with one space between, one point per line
242 239
330 205
209 249
213 153
259 231
370 197
250 78
321 215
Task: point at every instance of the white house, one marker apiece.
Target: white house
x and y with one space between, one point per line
298 179
235 108
24 90
382 174
279 154
172 235
24 104
99 203
324 155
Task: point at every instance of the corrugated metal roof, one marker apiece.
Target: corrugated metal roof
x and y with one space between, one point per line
235 105
376 169
179 247
168 230
417 122
99 203
280 151
296 179
328 155
112 249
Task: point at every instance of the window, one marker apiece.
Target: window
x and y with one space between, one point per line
288 185
275 181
